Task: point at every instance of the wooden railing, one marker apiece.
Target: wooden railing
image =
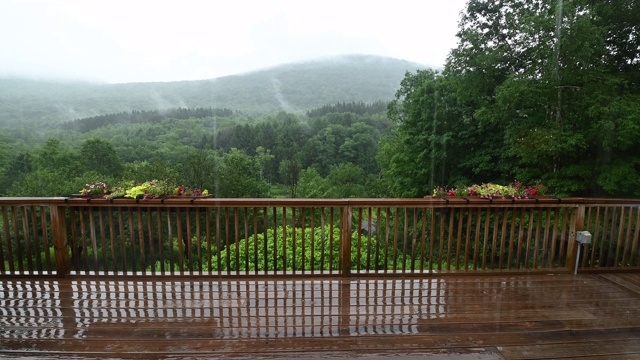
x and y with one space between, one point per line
314 237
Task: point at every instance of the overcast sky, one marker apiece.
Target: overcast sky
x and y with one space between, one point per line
138 40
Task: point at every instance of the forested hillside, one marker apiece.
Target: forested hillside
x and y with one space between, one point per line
294 88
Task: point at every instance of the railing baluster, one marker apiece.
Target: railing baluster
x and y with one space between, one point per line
405 238
16 236
567 214
386 239
600 237
83 249
612 243
3 269
170 242
432 239
143 259
369 239
275 241
378 231
227 240
485 240
359 242
476 242
588 247
265 247
24 219
627 239
521 229
123 252
303 243
331 239
105 265
545 243
554 237
284 240
396 229
461 213
255 240
45 236
494 238
246 240
529 239
312 266
323 242
94 240
452 216
636 238
112 239
236 238
423 240
132 240
201 263
188 240
536 242
443 214
180 240
620 243
207 226
467 243
218 243
36 239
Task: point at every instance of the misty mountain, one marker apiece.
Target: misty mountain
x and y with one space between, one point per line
294 88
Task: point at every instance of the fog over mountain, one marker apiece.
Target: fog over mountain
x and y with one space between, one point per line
295 88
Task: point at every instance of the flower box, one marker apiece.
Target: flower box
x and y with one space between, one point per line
514 191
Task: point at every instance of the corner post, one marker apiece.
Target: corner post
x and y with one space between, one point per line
59 229
577 224
345 241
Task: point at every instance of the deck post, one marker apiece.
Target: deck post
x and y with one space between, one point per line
345 241
577 224
59 229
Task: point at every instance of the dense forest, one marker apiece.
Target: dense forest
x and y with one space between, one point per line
538 91
330 155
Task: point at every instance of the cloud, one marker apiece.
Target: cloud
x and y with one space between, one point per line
144 40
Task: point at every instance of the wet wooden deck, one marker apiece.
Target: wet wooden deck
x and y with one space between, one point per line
474 317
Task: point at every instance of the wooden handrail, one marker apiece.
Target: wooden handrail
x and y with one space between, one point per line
260 202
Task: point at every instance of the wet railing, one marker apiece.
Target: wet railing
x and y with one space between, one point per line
314 237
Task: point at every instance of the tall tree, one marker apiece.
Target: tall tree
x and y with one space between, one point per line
238 175
100 156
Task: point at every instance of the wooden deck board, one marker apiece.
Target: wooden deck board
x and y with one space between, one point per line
490 317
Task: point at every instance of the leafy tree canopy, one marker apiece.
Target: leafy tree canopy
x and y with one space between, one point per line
535 90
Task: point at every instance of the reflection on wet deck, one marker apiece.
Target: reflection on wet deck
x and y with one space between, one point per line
505 313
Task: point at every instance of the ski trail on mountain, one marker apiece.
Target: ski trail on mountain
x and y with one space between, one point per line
277 89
